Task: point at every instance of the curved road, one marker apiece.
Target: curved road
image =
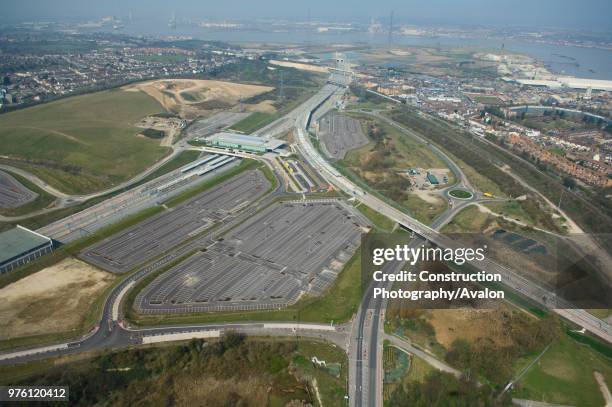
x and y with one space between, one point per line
360 338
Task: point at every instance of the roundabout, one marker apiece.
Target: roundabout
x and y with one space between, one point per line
460 194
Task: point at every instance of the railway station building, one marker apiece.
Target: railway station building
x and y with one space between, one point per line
243 142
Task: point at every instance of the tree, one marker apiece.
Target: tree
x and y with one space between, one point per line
569 182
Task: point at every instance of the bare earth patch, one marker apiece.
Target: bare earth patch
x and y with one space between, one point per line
429 196
468 324
55 299
190 98
299 65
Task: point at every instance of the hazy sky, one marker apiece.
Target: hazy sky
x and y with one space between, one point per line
574 14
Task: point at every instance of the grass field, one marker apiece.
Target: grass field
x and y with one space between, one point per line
381 222
378 165
468 220
564 375
419 369
460 193
511 209
253 122
84 143
406 152
422 210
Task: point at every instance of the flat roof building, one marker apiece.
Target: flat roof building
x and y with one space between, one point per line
242 142
19 246
432 179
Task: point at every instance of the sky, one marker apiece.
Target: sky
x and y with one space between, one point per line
570 14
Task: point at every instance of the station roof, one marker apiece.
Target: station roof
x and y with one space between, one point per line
236 138
19 240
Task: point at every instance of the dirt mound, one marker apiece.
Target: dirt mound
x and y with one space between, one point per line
195 97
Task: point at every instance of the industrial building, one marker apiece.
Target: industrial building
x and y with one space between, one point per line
432 179
19 246
242 142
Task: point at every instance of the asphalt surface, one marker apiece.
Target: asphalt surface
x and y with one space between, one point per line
509 277
340 134
156 235
263 263
213 124
12 193
109 333
365 333
111 210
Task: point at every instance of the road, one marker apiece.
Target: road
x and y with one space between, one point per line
510 278
362 338
202 127
431 360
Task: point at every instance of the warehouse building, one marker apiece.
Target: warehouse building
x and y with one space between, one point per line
242 142
19 246
432 179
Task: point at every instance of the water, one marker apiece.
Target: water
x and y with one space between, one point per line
567 60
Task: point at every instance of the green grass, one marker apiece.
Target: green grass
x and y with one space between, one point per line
468 220
564 375
381 222
460 193
23 370
511 209
83 143
252 122
419 369
43 200
332 389
594 343
407 153
422 210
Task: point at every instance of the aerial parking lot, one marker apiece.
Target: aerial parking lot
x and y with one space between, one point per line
12 193
341 134
269 261
133 246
